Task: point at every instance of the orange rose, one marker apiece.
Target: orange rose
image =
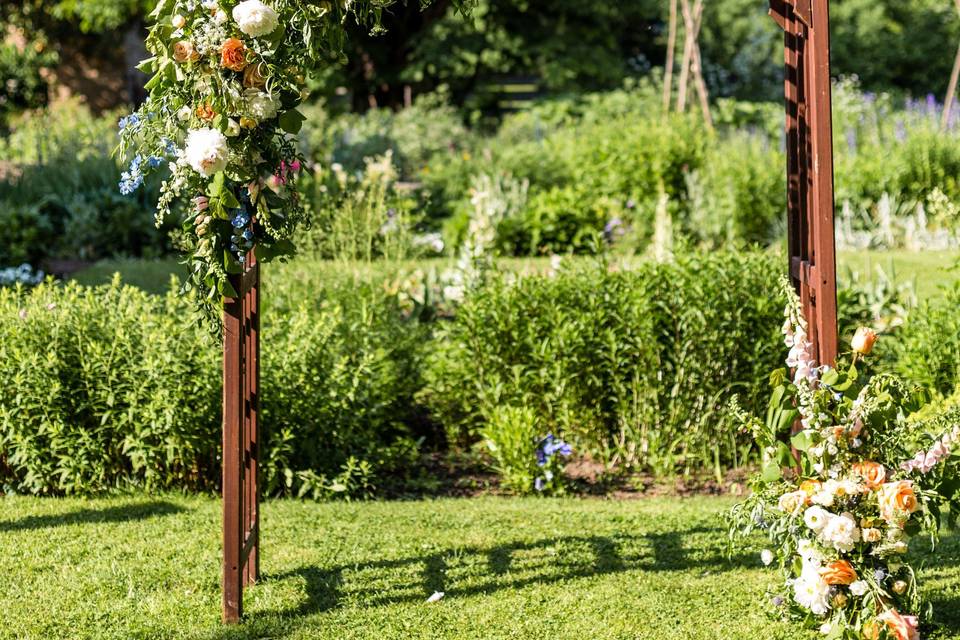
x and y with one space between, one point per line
233 55
901 627
897 501
863 340
253 77
873 473
206 113
838 572
183 51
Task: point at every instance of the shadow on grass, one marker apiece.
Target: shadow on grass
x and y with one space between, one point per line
470 571
120 513
945 602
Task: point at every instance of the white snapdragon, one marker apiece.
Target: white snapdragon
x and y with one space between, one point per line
207 151
255 19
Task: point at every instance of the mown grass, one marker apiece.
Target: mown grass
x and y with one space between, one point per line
148 567
928 271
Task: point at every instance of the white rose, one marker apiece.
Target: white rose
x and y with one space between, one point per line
816 518
766 557
178 21
260 106
823 498
255 18
207 151
859 587
184 114
220 17
841 532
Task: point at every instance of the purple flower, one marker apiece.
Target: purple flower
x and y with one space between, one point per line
777 601
538 484
900 131
852 140
880 575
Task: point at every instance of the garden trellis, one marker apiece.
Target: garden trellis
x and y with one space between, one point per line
809 143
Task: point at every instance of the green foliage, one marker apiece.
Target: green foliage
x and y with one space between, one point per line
634 367
510 434
928 351
108 387
60 199
113 387
24 86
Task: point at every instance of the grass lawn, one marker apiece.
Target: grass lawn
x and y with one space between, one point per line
148 567
928 271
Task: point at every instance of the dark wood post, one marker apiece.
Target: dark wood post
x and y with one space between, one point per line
809 142
241 378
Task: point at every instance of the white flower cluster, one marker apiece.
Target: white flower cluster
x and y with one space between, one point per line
810 590
838 531
207 151
255 18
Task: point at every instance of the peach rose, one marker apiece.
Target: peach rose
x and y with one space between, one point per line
863 340
897 500
792 502
206 113
838 572
902 627
873 473
233 55
253 77
183 51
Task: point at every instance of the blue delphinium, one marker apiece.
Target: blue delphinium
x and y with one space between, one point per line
132 179
547 451
131 121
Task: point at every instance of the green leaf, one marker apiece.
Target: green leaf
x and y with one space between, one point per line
802 440
148 65
771 472
292 121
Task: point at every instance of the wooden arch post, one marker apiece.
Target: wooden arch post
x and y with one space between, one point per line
809 144
241 386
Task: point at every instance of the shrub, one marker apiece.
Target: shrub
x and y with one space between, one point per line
106 387
636 367
111 387
928 346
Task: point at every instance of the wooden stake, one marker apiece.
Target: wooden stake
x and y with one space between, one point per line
952 88
671 54
691 32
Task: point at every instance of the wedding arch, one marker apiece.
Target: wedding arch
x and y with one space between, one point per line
227 77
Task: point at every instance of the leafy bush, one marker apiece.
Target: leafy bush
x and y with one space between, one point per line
928 352
111 387
107 387
24 86
634 366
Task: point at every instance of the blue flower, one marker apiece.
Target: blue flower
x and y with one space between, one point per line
241 220
248 235
131 121
130 182
168 146
154 161
538 484
880 575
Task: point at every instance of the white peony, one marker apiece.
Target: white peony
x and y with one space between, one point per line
841 532
207 151
255 18
811 592
816 518
261 106
859 588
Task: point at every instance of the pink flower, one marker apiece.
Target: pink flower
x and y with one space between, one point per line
201 203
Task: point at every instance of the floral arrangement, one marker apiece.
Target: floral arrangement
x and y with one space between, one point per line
841 498
221 120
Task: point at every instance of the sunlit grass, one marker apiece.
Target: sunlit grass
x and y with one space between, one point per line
148 567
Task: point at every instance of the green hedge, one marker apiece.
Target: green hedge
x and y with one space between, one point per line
637 367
